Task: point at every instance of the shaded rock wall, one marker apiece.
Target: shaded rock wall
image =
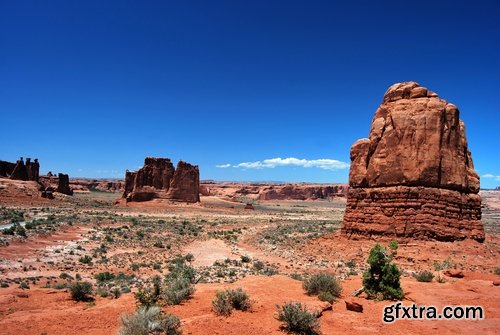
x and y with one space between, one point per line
20 170
159 179
414 176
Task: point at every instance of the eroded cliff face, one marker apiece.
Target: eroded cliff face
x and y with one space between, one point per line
414 176
185 185
159 179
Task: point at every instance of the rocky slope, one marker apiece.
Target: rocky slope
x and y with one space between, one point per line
414 176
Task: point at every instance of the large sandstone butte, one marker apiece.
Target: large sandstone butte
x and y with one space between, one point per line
20 170
159 179
413 177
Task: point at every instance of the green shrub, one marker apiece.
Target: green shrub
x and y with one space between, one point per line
225 301
497 271
424 276
322 282
86 259
221 304
381 280
326 296
393 245
149 320
298 319
80 290
245 259
64 275
115 292
177 290
258 265
104 276
148 296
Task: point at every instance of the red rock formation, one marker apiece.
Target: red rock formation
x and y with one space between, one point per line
159 179
414 176
19 170
302 192
50 183
6 168
104 185
185 185
63 184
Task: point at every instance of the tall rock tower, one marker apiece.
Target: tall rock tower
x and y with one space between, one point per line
413 177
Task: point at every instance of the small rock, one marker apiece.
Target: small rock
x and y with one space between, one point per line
353 306
496 282
454 273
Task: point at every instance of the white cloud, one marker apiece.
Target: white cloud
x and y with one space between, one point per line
323 163
223 166
491 176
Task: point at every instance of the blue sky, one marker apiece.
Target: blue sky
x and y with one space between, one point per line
92 87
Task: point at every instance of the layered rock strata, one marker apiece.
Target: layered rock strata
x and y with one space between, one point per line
414 177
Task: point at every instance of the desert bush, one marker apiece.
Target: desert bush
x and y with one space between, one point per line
85 259
258 265
149 296
424 276
80 290
221 304
298 319
64 275
179 269
497 271
149 320
381 280
326 296
323 283
225 301
115 292
104 276
245 259
177 290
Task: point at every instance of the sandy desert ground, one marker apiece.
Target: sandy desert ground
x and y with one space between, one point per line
265 251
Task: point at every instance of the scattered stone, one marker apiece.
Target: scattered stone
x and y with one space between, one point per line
353 306
454 273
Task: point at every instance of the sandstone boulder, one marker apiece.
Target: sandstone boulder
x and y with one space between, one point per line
63 184
414 176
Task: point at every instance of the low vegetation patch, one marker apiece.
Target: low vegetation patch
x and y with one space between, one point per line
325 285
424 276
149 320
81 291
297 319
225 301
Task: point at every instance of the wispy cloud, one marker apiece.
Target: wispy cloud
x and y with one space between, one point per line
491 176
323 163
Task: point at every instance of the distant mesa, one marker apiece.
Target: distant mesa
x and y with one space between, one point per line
30 171
158 179
413 177
20 170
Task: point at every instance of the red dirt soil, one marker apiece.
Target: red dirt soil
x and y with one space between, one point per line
39 311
